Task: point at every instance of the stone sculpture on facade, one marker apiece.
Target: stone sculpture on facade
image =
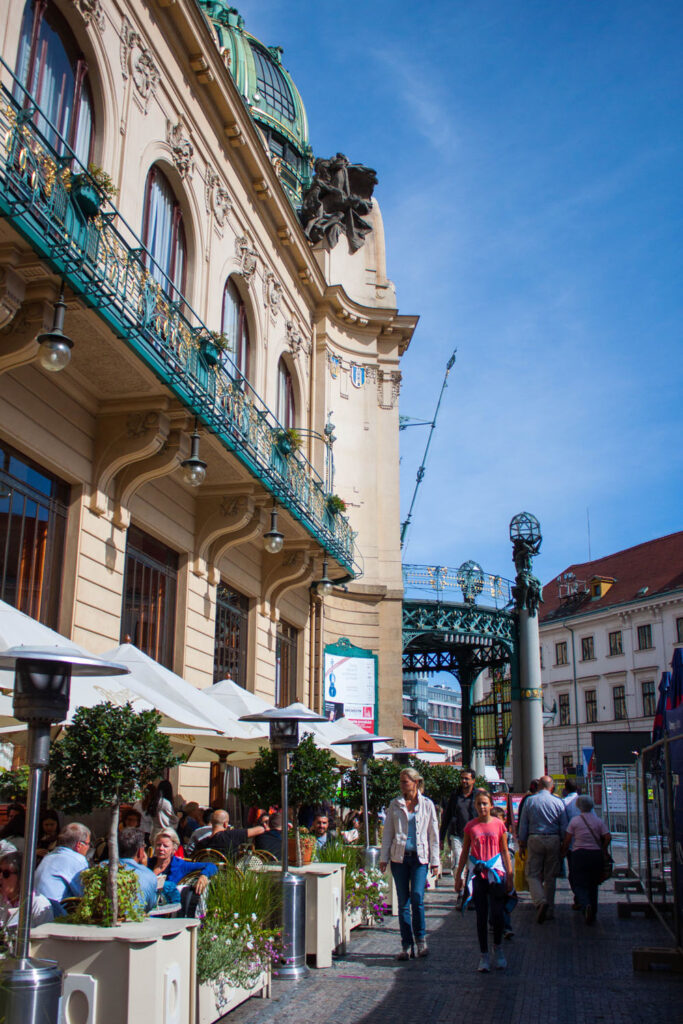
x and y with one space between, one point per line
337 201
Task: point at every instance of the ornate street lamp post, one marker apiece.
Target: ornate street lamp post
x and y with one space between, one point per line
361 750
284 738
30 989
527 696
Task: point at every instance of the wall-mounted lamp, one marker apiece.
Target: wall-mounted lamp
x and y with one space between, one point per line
325 584
194 469
55 347
273 541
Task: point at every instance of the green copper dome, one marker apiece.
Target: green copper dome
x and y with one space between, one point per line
270 94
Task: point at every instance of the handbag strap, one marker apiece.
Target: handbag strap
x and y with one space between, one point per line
598 839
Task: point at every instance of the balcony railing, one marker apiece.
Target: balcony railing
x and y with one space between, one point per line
105 262
444 582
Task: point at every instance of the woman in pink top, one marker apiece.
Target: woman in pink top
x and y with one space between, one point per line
485 845
588 837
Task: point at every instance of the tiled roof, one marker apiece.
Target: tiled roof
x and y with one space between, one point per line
425 741
656 565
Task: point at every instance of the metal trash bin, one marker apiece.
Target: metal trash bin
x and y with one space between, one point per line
30 991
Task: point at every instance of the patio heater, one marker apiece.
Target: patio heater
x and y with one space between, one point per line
402 755
30 990
284 738
361 750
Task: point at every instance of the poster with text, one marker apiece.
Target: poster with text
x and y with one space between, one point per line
350 685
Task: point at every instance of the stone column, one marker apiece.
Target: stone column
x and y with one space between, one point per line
527 703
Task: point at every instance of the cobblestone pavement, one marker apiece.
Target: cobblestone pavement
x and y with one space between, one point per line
561 972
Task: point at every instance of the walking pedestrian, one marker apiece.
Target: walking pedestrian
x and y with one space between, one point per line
459 810
411 841
485 845
589 837
542 825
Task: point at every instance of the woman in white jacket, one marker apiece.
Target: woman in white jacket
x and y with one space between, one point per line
411 842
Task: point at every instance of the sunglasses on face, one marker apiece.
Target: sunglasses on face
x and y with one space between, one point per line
7 872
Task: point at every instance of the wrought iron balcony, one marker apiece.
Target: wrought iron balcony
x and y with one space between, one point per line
104 261
442 581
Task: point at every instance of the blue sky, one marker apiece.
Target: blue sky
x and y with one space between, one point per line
530 164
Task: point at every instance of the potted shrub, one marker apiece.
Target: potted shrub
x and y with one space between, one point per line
288 441
238 942
312 779
335 504
89 191
14 785
107 756
211 345
95 905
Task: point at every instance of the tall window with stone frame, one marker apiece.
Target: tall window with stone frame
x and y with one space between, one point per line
568 765
679 631
619 700
163 235
235 327
149 596
34 506
286 411
649 700
561 657
587 648
285 664
230 649
615 643
565 710
591 698
54 72
645 637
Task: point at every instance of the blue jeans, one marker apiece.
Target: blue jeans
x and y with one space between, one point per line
410 879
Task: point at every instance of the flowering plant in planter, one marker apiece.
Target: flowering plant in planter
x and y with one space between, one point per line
367 891
335 504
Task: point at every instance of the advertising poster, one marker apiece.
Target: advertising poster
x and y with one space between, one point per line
351 685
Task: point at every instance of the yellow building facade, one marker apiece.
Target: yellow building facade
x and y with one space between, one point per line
196 305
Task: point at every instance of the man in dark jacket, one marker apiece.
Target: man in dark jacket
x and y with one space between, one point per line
459 810
272 840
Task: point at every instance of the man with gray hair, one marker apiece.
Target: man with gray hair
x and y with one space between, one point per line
58 870
542 826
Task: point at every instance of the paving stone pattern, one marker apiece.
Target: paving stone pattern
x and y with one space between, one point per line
561 972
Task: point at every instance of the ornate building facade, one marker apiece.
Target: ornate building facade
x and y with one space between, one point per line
234 369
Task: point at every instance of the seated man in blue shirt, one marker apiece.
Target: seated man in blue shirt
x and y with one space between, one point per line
133 857
59 870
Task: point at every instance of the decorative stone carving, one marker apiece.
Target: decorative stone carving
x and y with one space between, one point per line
136 60
393 379
182 149
12 292
295 338
247 258
338 199
272 292
216 197
92 12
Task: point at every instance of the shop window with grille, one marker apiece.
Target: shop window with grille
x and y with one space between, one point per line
285 664
34 506
619 698
565 711
649 701
568 764
591 706
230 650
149 596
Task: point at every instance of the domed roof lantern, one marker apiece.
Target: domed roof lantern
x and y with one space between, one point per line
270 94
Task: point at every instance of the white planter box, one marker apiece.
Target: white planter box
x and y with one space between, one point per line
133 974
215 999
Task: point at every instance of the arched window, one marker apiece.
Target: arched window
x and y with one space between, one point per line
235 327
163 234
285 395
51 68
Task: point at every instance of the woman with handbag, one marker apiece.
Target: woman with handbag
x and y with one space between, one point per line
589 854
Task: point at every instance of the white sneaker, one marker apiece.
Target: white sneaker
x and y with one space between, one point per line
422 948
484 963
499 958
